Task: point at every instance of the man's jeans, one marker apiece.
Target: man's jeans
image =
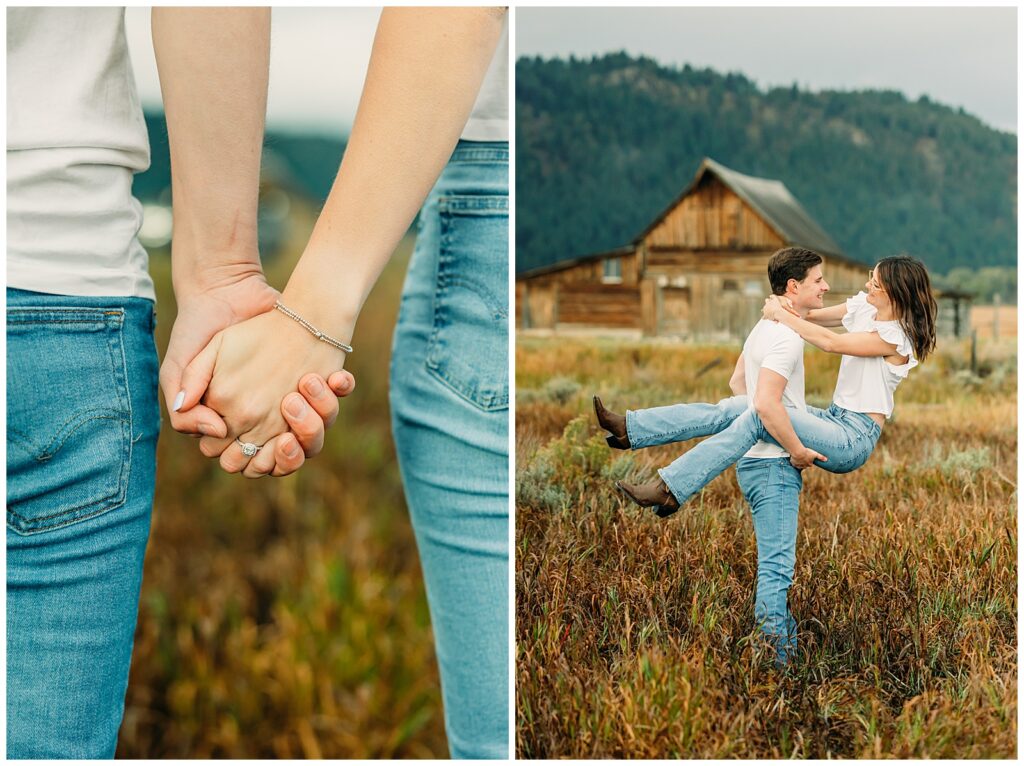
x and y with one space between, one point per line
82 426
845 437
772 488
449 405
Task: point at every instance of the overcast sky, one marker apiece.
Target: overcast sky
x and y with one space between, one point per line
958 56
318 59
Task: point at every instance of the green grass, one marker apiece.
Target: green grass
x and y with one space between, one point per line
635 635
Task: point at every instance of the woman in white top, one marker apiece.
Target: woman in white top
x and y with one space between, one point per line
891 328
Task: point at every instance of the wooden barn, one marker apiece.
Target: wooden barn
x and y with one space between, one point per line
698 271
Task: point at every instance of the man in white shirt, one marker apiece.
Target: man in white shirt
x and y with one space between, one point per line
769 474
769 378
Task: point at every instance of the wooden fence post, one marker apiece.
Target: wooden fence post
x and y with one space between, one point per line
995 316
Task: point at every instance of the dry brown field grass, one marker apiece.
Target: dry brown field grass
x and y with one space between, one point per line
635 636
286 618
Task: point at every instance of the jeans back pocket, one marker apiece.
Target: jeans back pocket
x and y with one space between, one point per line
468 348
68 416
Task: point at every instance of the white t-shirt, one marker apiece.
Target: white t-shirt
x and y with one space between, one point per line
75 137
867 383
489 119
773 346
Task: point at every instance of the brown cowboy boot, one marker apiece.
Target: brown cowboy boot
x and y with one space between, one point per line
613 423
655 494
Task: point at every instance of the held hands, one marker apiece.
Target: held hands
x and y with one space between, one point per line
247 374
774 305
310 404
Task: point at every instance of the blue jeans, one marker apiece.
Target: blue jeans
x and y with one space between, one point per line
679 422
82 426
772 488
449 408
845 437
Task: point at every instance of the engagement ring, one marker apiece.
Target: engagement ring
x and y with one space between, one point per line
248 448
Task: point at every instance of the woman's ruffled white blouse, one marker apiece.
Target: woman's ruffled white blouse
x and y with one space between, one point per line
867 383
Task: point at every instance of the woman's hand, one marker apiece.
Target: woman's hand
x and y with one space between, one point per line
774 305
245 374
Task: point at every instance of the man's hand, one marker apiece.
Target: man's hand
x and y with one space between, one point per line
805 457
202 313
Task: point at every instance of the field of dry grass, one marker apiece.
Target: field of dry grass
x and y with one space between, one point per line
286 618
991 321
635 635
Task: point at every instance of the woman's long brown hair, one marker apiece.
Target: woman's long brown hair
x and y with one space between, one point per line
906 281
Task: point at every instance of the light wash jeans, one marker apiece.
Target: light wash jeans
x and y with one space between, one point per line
82 426
845 437
449 408
772 488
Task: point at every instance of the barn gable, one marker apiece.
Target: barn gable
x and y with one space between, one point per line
768 198
697 271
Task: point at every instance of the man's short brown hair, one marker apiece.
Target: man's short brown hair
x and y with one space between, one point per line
790 263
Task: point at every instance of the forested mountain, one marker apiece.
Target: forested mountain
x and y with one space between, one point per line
604 144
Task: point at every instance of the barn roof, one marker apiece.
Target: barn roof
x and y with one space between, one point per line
551 268
768 197
771 200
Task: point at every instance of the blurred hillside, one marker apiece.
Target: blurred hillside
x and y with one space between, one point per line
297 169
604 144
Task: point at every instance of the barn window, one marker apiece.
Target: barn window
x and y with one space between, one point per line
753 288
730 285
612 270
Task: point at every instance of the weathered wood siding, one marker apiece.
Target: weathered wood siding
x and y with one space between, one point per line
713 216
844 279
599 305
578 295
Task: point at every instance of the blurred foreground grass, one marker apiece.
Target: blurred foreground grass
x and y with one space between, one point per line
635 635
286 618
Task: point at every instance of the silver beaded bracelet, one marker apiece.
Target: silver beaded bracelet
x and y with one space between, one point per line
316 333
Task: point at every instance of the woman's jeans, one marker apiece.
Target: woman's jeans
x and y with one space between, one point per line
82 426
449 408
845 437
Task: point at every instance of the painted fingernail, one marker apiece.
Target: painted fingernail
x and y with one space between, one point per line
314 387
178 401
291 448
296 406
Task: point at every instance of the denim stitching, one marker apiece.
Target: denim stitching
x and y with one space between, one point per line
61 316
489 401
119 493
124 393
469 204
496 154
41 455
